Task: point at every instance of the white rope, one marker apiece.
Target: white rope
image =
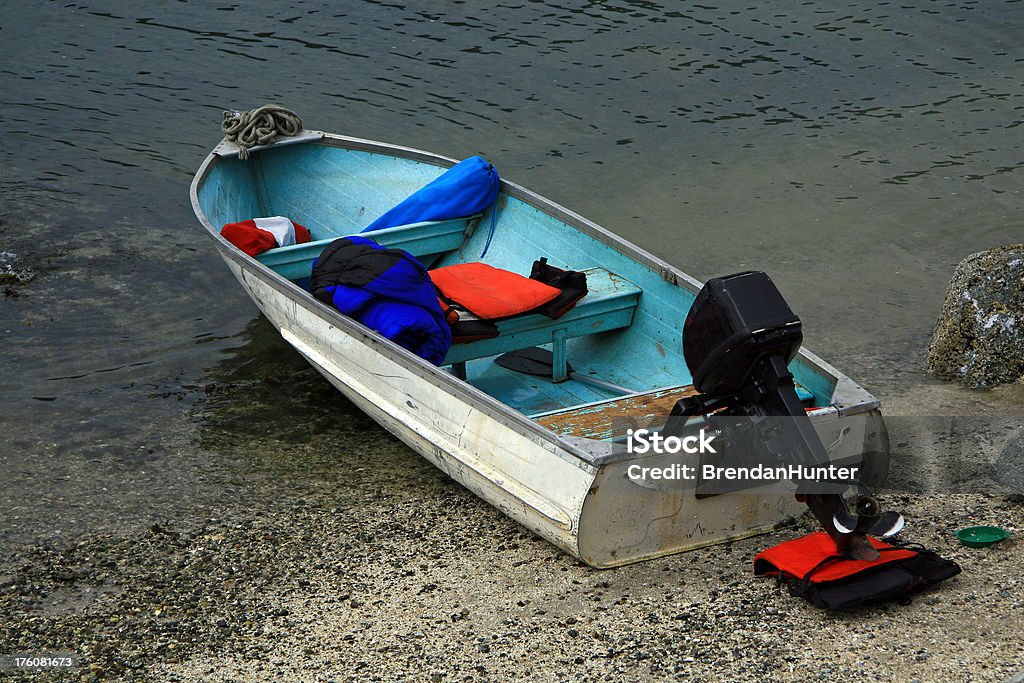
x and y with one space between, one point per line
259 126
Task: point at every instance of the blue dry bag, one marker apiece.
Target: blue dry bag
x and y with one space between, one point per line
468 187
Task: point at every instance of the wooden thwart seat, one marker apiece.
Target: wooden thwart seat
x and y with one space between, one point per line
608 305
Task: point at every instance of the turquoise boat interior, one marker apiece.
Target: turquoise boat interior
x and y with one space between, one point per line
627 330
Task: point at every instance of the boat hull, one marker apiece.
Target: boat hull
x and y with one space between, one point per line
575 492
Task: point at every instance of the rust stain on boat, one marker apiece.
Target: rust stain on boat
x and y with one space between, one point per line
602 420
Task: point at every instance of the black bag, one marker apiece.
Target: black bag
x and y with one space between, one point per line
573 284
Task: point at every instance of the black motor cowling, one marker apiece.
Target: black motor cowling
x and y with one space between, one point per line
735 322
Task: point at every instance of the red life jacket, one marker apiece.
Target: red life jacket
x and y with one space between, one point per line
491 293
813 569
810 558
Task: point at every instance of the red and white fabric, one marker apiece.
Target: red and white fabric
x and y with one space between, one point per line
257 235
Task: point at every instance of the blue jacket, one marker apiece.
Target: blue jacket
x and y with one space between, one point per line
387 290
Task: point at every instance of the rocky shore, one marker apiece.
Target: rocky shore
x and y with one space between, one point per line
315 578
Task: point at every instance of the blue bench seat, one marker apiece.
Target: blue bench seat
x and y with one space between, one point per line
422 240
608 305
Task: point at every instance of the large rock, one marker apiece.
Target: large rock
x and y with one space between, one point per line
979 338
1008 468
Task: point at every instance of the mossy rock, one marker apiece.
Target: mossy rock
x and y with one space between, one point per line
979 337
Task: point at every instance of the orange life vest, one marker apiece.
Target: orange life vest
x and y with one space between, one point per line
809 558
491 293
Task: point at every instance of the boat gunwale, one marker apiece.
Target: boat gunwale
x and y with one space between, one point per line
848 397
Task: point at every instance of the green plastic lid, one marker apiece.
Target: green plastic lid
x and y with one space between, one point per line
981 536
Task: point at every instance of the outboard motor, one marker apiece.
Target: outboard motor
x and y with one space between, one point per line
739 338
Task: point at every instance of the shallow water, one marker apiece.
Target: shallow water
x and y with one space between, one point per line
857 154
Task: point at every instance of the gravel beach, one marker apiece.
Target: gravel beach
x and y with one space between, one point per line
327 551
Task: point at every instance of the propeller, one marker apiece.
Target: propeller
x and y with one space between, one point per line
869 519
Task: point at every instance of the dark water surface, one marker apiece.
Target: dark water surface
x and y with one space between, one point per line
856 153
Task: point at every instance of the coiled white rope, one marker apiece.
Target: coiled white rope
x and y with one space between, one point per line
259 126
